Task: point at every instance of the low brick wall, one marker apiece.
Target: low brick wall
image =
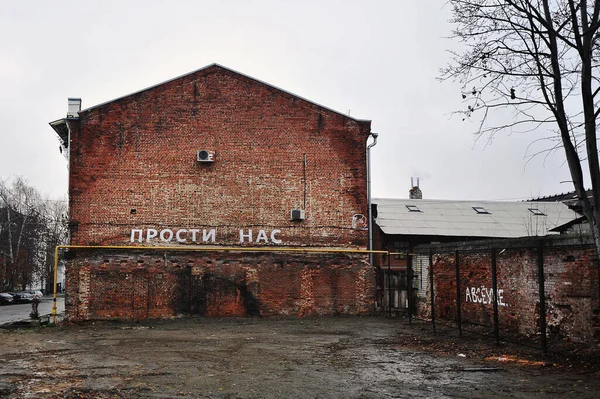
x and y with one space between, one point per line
158 285
570 286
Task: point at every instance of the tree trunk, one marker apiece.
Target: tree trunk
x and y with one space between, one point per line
10 246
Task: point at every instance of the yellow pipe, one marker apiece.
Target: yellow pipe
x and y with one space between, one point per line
222 249
195 248
55 278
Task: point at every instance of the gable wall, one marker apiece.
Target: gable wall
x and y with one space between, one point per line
139 152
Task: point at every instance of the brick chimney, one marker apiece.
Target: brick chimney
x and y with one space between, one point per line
415 191
74 106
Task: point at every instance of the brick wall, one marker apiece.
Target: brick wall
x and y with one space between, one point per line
113 285
139 153
133 167
571 288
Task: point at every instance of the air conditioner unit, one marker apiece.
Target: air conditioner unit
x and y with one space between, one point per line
297 214
205 156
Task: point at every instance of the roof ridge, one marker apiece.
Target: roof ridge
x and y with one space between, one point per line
214 64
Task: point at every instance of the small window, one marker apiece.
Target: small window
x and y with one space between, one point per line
536 212
481 210
413 208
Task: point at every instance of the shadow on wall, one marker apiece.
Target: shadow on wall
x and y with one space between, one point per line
210 295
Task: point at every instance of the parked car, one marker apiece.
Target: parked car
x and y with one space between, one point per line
37 293
6 298
22 297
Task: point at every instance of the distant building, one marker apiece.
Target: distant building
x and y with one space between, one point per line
402 224
569 196
577 226
218 159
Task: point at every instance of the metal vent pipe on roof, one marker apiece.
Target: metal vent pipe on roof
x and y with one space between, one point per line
415 192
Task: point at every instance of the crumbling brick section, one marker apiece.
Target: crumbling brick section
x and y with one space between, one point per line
151 285
571 289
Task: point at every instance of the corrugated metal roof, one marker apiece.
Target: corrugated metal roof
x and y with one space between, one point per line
458 218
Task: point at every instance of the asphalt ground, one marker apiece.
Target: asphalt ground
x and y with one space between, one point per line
20 312
333 357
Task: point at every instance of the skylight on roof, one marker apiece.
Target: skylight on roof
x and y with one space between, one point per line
413 208
481 210
537 212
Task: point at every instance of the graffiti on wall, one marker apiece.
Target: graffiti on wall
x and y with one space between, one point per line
359 222
484 295
203 236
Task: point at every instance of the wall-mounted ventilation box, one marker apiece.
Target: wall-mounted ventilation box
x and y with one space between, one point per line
205 156
297 214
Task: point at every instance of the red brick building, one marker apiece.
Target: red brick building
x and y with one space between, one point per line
215 158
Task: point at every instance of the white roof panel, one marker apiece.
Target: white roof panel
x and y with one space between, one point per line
458 218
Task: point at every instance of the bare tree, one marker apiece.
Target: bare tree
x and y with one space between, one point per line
55 233
30 229
18 201
532 65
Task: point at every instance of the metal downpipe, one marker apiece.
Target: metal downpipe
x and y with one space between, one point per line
369 195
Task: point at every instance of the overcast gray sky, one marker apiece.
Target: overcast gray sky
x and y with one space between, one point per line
377 60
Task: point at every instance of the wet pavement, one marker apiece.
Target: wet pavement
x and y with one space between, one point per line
337 357
19 312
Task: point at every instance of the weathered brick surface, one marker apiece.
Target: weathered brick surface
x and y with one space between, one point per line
571 290
139 152
133 166
117 286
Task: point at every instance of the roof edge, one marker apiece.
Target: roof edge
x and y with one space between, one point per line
61 129
565 226
433 200
389 232
214 64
